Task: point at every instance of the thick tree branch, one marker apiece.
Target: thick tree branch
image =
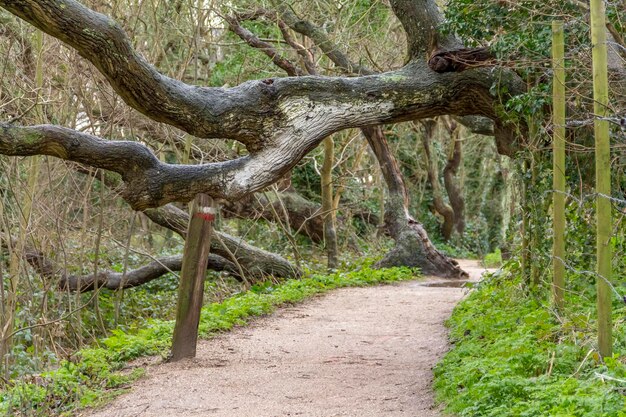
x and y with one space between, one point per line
462 59
135 277
112 280
445 61
254 112
299 113
421 20
255 263
102 41
279 120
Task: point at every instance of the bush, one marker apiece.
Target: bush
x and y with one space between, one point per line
513 358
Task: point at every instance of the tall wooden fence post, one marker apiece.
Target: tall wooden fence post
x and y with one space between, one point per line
193 272
603 176
558 171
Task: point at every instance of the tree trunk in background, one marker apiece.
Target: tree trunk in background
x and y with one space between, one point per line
254 263
413 247
441 206
455 194
328 209
525 226
304 215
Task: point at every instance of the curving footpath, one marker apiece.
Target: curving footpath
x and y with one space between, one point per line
360 352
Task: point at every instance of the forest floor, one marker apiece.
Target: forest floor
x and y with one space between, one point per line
352 352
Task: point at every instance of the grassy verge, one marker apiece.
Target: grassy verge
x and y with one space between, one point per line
96 374
513 357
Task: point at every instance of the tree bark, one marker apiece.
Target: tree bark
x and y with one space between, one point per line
252 263
455 194
49 270
408 249
413 247
278 120
440 205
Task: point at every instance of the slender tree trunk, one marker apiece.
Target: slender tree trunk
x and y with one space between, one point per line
525 227
455 194
413 247
433 177
558 170
329 215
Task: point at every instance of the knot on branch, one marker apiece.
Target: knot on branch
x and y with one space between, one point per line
460 59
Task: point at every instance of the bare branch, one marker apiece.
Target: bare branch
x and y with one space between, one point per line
321 39
305 54
254 41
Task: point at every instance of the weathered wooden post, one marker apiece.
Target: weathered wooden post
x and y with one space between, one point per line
558 170
603 176
190 290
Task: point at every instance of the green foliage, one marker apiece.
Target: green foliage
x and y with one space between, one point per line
85 379
512 357
493 259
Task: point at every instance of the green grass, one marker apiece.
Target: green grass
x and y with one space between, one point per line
96 374
512 357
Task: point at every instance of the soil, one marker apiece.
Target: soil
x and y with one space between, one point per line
361 352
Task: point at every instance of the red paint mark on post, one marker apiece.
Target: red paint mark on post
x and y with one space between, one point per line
206 213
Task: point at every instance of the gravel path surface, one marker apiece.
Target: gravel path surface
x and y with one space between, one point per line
360 352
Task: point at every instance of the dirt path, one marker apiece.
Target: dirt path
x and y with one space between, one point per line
357 352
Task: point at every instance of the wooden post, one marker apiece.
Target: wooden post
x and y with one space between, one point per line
603 176
190 290
558 171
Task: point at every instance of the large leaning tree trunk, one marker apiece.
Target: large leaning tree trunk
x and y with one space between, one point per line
278 120
413 247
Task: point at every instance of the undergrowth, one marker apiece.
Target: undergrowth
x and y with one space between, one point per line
513 357
98 373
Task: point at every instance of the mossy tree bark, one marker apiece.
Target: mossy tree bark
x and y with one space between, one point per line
603 176
278 120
